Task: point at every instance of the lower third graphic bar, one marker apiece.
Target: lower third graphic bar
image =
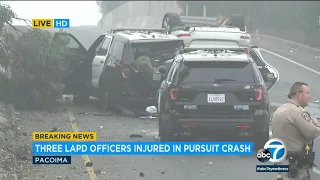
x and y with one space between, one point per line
51 159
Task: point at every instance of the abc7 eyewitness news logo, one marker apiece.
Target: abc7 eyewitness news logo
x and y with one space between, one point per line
274 151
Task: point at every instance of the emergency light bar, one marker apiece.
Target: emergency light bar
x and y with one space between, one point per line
161 30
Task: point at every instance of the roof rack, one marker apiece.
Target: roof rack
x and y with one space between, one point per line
149 30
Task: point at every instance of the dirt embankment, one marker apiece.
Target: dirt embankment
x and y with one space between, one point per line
12 150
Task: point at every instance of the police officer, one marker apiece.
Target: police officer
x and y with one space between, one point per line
293 124
144 66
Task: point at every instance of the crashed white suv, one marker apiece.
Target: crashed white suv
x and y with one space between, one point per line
213 37
208 32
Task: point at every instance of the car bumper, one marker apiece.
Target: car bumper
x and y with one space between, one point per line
248 124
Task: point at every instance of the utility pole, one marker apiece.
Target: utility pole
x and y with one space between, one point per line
204 11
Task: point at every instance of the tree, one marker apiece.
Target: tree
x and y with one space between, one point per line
35 64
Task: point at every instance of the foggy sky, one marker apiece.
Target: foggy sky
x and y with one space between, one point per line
79 12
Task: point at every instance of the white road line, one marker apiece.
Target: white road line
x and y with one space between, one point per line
315 170
292 61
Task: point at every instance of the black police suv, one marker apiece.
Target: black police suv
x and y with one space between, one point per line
106 69
216 92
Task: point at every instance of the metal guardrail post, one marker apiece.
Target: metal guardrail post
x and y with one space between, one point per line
187 9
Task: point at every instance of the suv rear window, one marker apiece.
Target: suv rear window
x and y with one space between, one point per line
198 72
161 51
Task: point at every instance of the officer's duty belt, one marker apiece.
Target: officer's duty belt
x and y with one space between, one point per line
300 159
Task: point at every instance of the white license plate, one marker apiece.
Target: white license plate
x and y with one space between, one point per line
216 98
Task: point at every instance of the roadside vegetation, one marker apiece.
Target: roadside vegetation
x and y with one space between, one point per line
32 65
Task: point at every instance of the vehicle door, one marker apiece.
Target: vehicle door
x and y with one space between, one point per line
269 73
74 56
98 62
165 83
112 74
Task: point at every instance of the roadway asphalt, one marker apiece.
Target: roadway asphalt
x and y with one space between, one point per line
115 128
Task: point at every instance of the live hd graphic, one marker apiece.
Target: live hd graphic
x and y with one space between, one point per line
50 23
274 152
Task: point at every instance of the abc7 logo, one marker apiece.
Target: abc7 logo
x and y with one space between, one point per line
274 151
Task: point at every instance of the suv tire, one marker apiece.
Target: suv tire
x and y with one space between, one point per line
166 132
172 20
108 103
80 99
262 136
260 140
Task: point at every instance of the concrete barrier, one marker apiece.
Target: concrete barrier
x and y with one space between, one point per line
142 14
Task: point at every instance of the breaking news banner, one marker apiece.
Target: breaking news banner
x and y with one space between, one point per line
64 136
142 148
51 160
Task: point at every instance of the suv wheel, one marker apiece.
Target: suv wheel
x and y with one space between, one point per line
166 132
80 99
109 103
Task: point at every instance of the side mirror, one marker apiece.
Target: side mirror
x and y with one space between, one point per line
270 79
152 110
157 77
156 62
163 70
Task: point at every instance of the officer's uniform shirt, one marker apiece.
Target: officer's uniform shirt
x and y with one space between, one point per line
293 124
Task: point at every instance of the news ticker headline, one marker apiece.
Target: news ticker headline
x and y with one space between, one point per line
142 148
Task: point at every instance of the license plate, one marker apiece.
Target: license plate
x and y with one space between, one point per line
216 98
241 107
190 106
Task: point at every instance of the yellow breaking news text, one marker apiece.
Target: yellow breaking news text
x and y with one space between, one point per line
64 136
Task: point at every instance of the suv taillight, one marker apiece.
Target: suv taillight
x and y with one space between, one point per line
173 93
183 35
259 92
124 70
245 37
245 51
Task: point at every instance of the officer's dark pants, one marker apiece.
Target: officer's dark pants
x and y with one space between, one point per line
302 173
